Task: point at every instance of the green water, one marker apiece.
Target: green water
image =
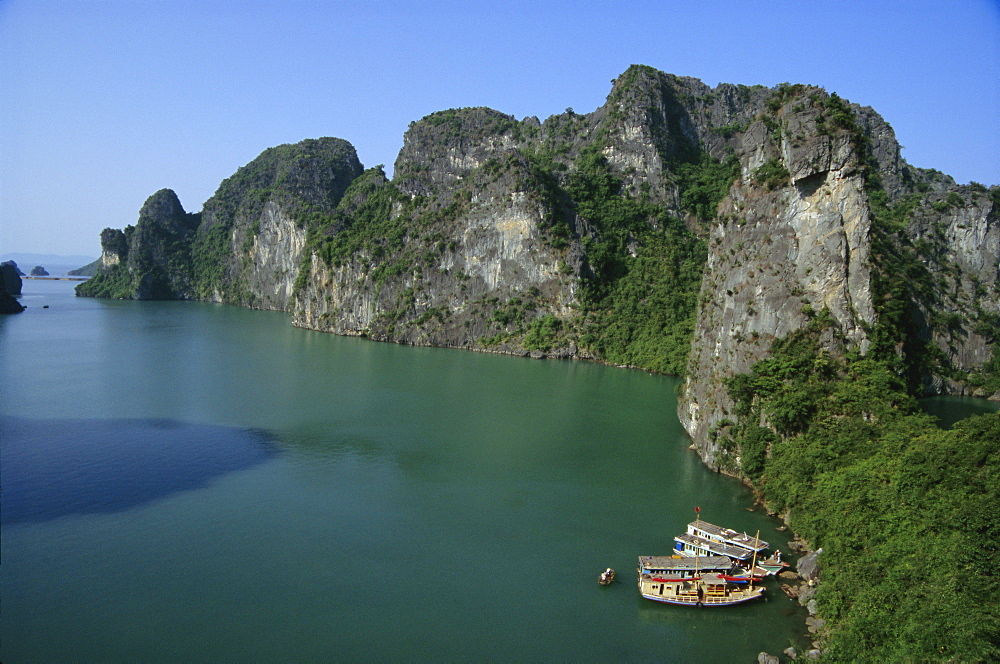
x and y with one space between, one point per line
950 409
192 482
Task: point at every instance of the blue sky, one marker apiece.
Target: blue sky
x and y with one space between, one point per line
103 102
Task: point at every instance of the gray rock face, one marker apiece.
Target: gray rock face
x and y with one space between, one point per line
10 288
806 594
957 238
164 208
10 278
779 253
114 247
442 149
260 211
494 249
808 566
245 247
798 245
275 255
162 227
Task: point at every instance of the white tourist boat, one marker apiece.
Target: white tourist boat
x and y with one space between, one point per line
692 546
715 533
707 539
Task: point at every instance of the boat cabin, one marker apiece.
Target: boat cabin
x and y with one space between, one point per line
692 545
710 531
684 567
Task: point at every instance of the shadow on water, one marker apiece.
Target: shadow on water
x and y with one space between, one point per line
951 409
53 468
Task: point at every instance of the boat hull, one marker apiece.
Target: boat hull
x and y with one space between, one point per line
709 601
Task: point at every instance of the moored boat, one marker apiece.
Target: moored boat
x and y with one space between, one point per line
772 565
704 590
607 576
728 536
693 546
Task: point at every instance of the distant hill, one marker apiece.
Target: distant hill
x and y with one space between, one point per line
88 270
55 264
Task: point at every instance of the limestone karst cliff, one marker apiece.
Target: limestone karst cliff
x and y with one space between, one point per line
150 260
679 228
10 288
244 247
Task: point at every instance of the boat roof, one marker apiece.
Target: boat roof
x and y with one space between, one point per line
669 563
738 538
718 548
710 579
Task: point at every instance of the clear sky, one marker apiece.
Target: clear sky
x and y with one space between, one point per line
103 102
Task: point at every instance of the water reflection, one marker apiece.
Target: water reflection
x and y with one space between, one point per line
52 468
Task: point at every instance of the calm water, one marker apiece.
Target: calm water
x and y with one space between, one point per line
951 409
196 482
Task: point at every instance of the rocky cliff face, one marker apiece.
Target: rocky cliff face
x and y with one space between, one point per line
461 260
150 260
245 246
793 239
796 236
675 217
954 236
249 246
10 288
10 277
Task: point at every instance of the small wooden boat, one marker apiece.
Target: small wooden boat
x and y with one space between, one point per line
772 565
607 576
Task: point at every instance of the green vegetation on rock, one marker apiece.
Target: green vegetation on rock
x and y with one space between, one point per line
900 508
639 303
903 511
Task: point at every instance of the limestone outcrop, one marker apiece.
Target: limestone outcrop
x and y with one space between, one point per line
10 288
678 228
150 260
11 278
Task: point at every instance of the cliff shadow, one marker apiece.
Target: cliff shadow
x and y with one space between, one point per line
54 468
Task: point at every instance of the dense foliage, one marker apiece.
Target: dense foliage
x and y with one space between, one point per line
155 260
640 299
115 283
904 512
